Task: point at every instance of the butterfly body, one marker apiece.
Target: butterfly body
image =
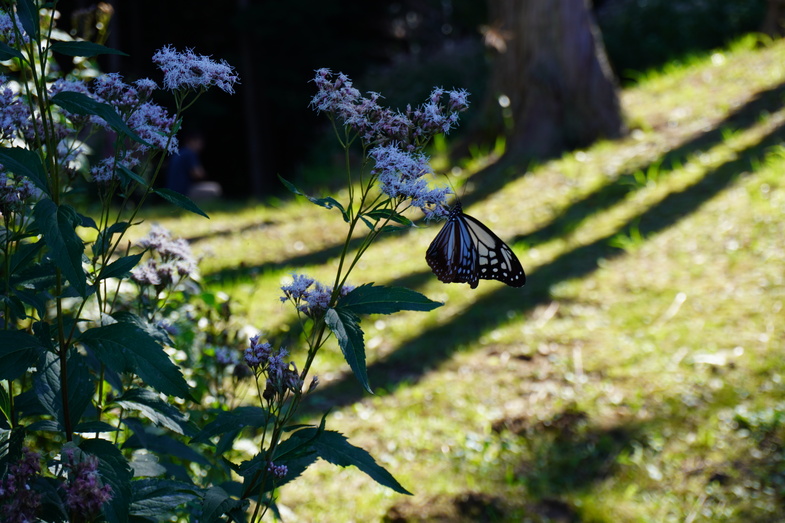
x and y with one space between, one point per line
465 251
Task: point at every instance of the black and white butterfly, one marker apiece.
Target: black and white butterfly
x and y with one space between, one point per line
465 250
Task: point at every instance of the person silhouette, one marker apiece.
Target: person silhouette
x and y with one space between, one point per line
186 174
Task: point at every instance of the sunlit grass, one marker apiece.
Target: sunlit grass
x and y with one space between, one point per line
638 374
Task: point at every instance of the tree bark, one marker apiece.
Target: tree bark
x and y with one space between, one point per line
774 22
551 87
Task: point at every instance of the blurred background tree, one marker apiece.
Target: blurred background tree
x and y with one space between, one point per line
398 47
551 87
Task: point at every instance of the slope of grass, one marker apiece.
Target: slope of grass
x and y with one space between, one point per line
638 374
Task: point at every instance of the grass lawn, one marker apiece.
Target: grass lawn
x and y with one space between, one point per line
638 374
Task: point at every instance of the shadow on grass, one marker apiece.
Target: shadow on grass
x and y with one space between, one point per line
569 452
414 358
493 179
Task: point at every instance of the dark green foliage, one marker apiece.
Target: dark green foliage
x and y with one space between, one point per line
642 34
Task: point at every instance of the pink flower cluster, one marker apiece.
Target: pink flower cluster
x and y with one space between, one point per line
401 175
309 296
84 493
14 193
19 501
264 360
7 32
171 259
378 125
188 70
396 138
150 121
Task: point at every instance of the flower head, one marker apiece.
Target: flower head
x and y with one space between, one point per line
310 296
84 492
401 175
9 27
187 70
378 125
171 261
18 500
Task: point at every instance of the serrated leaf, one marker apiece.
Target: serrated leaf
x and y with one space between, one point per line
216 503
52 506
156 332
380 299
104 239
181 201
236 419
47 385
327 202
346 327
5 405
125 347
145 437
120 267
16 308
57 224
113 469
334 448
24 162
156 497
152 407
24 255
18 352
83 48
80 103
28 15
127 176
389 214
7 52
94 427
367 222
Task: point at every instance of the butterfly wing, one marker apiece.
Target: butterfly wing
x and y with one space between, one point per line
465 250
452 255
495 261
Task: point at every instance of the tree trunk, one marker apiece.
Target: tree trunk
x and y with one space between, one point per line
775 18
551 87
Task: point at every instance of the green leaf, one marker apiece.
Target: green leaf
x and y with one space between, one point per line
154 498
327 203
125 347
83 48
216 503
24 162
94 426
5 405
334 448
120 267
181 201
384 214
346 327
57 224
28 15
24 255
155 331
114 470
150 438
18 352
152 407
104 239
236 419
47 385
379 299
371 226
80 103
127 176
7 52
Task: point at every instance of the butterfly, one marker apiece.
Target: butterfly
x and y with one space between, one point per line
465 250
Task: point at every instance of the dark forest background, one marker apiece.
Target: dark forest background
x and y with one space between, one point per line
399 48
